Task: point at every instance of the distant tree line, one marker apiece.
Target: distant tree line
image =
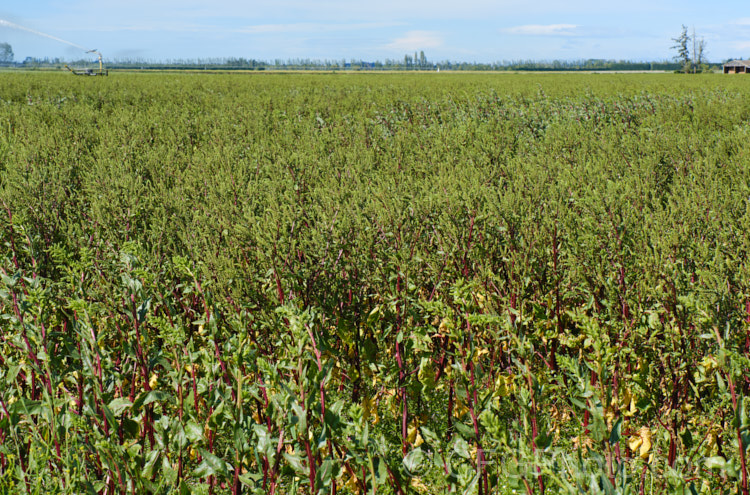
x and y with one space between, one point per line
417 62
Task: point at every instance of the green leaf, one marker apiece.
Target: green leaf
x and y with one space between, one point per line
210 465
653 321
216 418
138 403
130 426
716 462
143 310
607 484
326 473
25 406
616 432
579 404
721 384
429 436
151 466
194 432
414 462
543 441
464 430
731 469
470 487
379 468
157 396
250 479
687 439
184 488
461 447
179 437
643 404
265 444
119 405
11 374
745 439
426 374
299 415
332 420
110 417
296 462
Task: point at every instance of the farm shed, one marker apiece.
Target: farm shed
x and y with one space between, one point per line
737 67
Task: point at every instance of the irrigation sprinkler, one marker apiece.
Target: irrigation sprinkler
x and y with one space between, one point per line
77 72
90 72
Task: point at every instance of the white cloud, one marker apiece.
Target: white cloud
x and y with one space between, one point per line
311 27
741 45
743 21
416 40
156 27
543 30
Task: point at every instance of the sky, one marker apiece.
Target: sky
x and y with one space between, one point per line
456 30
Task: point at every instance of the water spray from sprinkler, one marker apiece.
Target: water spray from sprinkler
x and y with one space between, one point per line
13 25
79 72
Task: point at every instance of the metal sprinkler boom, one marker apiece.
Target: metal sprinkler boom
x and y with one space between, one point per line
90 72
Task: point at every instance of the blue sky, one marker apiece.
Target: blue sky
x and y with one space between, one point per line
469 30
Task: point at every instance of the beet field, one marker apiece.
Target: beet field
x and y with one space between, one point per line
374 284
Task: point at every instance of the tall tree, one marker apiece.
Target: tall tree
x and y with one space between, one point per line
681 45
6 53
700 51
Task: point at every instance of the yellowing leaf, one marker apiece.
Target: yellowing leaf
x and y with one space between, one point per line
627 396
708 363
444 327
416 484
418 440
459 409
634 443
411 436
393 406
710 441
645 434
609 415
352 484
366 407
503 385
632 409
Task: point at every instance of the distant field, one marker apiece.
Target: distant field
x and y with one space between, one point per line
374 283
